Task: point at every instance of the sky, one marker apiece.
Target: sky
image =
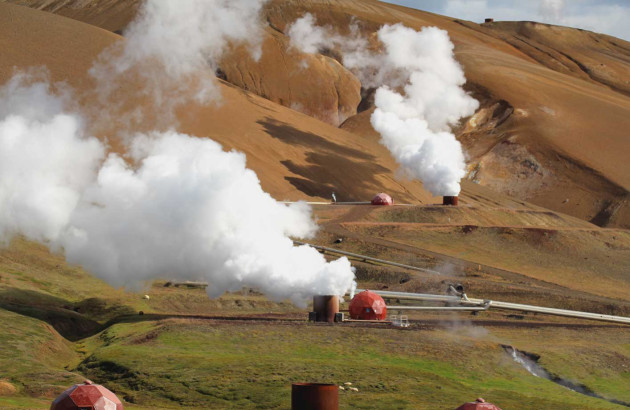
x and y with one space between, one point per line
603 16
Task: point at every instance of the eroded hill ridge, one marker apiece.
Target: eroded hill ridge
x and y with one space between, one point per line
555 104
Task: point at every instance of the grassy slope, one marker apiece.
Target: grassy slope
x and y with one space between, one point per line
234 366
199 363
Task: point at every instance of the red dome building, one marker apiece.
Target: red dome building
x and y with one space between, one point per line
87 396
479 404
382 199
368 306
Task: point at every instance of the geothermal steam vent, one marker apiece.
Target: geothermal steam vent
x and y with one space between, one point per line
419 95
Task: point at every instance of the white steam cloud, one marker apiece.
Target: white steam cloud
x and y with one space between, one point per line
174 206
309 38
186 209
191 210
552 10
414 124
170 55
371 67
44 160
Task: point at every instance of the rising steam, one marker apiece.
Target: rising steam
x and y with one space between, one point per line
193 211
551 10
45 162
414 124
170 56
174 206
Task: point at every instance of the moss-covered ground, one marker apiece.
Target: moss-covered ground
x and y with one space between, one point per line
60 325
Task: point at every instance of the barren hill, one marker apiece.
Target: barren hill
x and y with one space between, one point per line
294 155
555 105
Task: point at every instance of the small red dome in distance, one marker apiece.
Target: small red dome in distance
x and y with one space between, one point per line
382 199
87 396
479 404
367 306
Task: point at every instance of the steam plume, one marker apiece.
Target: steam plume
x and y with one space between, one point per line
370 67
551 10
45 162
170 55
414 124
174 206
187 210
191 210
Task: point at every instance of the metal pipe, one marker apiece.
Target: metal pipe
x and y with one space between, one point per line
558 312
327 203
307 202
339 203
504 305
463 308
367 258
414 296
367 321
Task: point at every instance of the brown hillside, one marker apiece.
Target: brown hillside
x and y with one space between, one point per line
583 54
552 129
294 155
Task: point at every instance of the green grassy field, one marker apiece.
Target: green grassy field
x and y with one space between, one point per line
196 363
61 325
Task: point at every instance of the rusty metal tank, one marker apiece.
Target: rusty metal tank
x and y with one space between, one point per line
87 396
450 200
325 307
314 396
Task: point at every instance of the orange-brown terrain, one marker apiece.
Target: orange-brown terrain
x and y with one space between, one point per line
552 129
543 219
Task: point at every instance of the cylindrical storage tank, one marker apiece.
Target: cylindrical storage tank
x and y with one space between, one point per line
87 396
382 199
325 308
450 200
314 396
367 305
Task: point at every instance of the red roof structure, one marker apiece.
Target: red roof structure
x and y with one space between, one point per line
479 404
382 199
367 305
87 396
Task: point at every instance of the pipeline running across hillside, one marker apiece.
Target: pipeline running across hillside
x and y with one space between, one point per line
480 304
325 249
367 258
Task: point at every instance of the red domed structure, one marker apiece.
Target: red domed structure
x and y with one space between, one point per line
368 306
479 404
87 396
382 199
